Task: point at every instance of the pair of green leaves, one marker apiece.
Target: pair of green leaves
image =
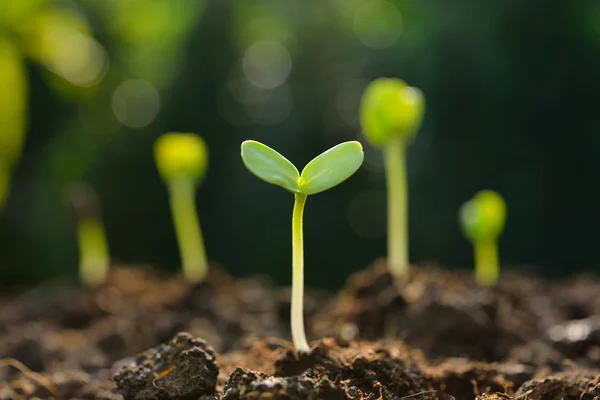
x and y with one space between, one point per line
483 216
324 172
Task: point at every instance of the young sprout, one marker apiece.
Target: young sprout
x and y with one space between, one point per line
94 259
181 159
390 115
482 220
324 172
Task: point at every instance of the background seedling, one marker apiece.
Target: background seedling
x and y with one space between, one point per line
94 259
13 82
182 159
390 114
324 172
482 220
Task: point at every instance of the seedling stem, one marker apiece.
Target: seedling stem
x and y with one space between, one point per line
486 260
93 251
298 335
94 258
397 204
187 227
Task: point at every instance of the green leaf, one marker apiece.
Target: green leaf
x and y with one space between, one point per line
390 109
483 216
331 168
270 166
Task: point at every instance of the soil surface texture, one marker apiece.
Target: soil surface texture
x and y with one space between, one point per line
143 335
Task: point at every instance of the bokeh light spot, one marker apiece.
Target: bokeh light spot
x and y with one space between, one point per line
136 103
267 64
76 57
269 107
377 24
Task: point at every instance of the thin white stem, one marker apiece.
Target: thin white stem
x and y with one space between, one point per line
297 311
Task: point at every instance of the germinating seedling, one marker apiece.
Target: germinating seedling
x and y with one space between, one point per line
181 159
482 220
324 172
94 259
390 114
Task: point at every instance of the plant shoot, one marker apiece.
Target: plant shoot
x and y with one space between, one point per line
391 113
13 108
324 172
94 259
181 160
482 219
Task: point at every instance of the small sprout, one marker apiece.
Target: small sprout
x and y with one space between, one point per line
94 259
391 113
482 220
182 159
324 172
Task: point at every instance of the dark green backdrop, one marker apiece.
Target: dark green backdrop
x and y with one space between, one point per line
512 90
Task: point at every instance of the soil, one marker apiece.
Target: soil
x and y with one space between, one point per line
144 335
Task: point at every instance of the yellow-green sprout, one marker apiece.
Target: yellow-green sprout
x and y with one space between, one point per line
390 114
181 160
12 111
94 259
324 172
482 219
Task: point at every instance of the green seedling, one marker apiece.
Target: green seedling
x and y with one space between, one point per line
482 219
324 172
391 113
94 259
13 109
182 159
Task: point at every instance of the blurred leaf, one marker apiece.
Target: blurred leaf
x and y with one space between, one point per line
17 14
13 100
153 22
46 30
331 167
61 41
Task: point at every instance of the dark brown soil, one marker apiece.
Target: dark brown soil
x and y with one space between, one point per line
439 337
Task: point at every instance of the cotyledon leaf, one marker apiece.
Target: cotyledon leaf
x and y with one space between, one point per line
270 166
331 167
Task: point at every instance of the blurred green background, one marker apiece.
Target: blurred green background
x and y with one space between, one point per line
512 90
